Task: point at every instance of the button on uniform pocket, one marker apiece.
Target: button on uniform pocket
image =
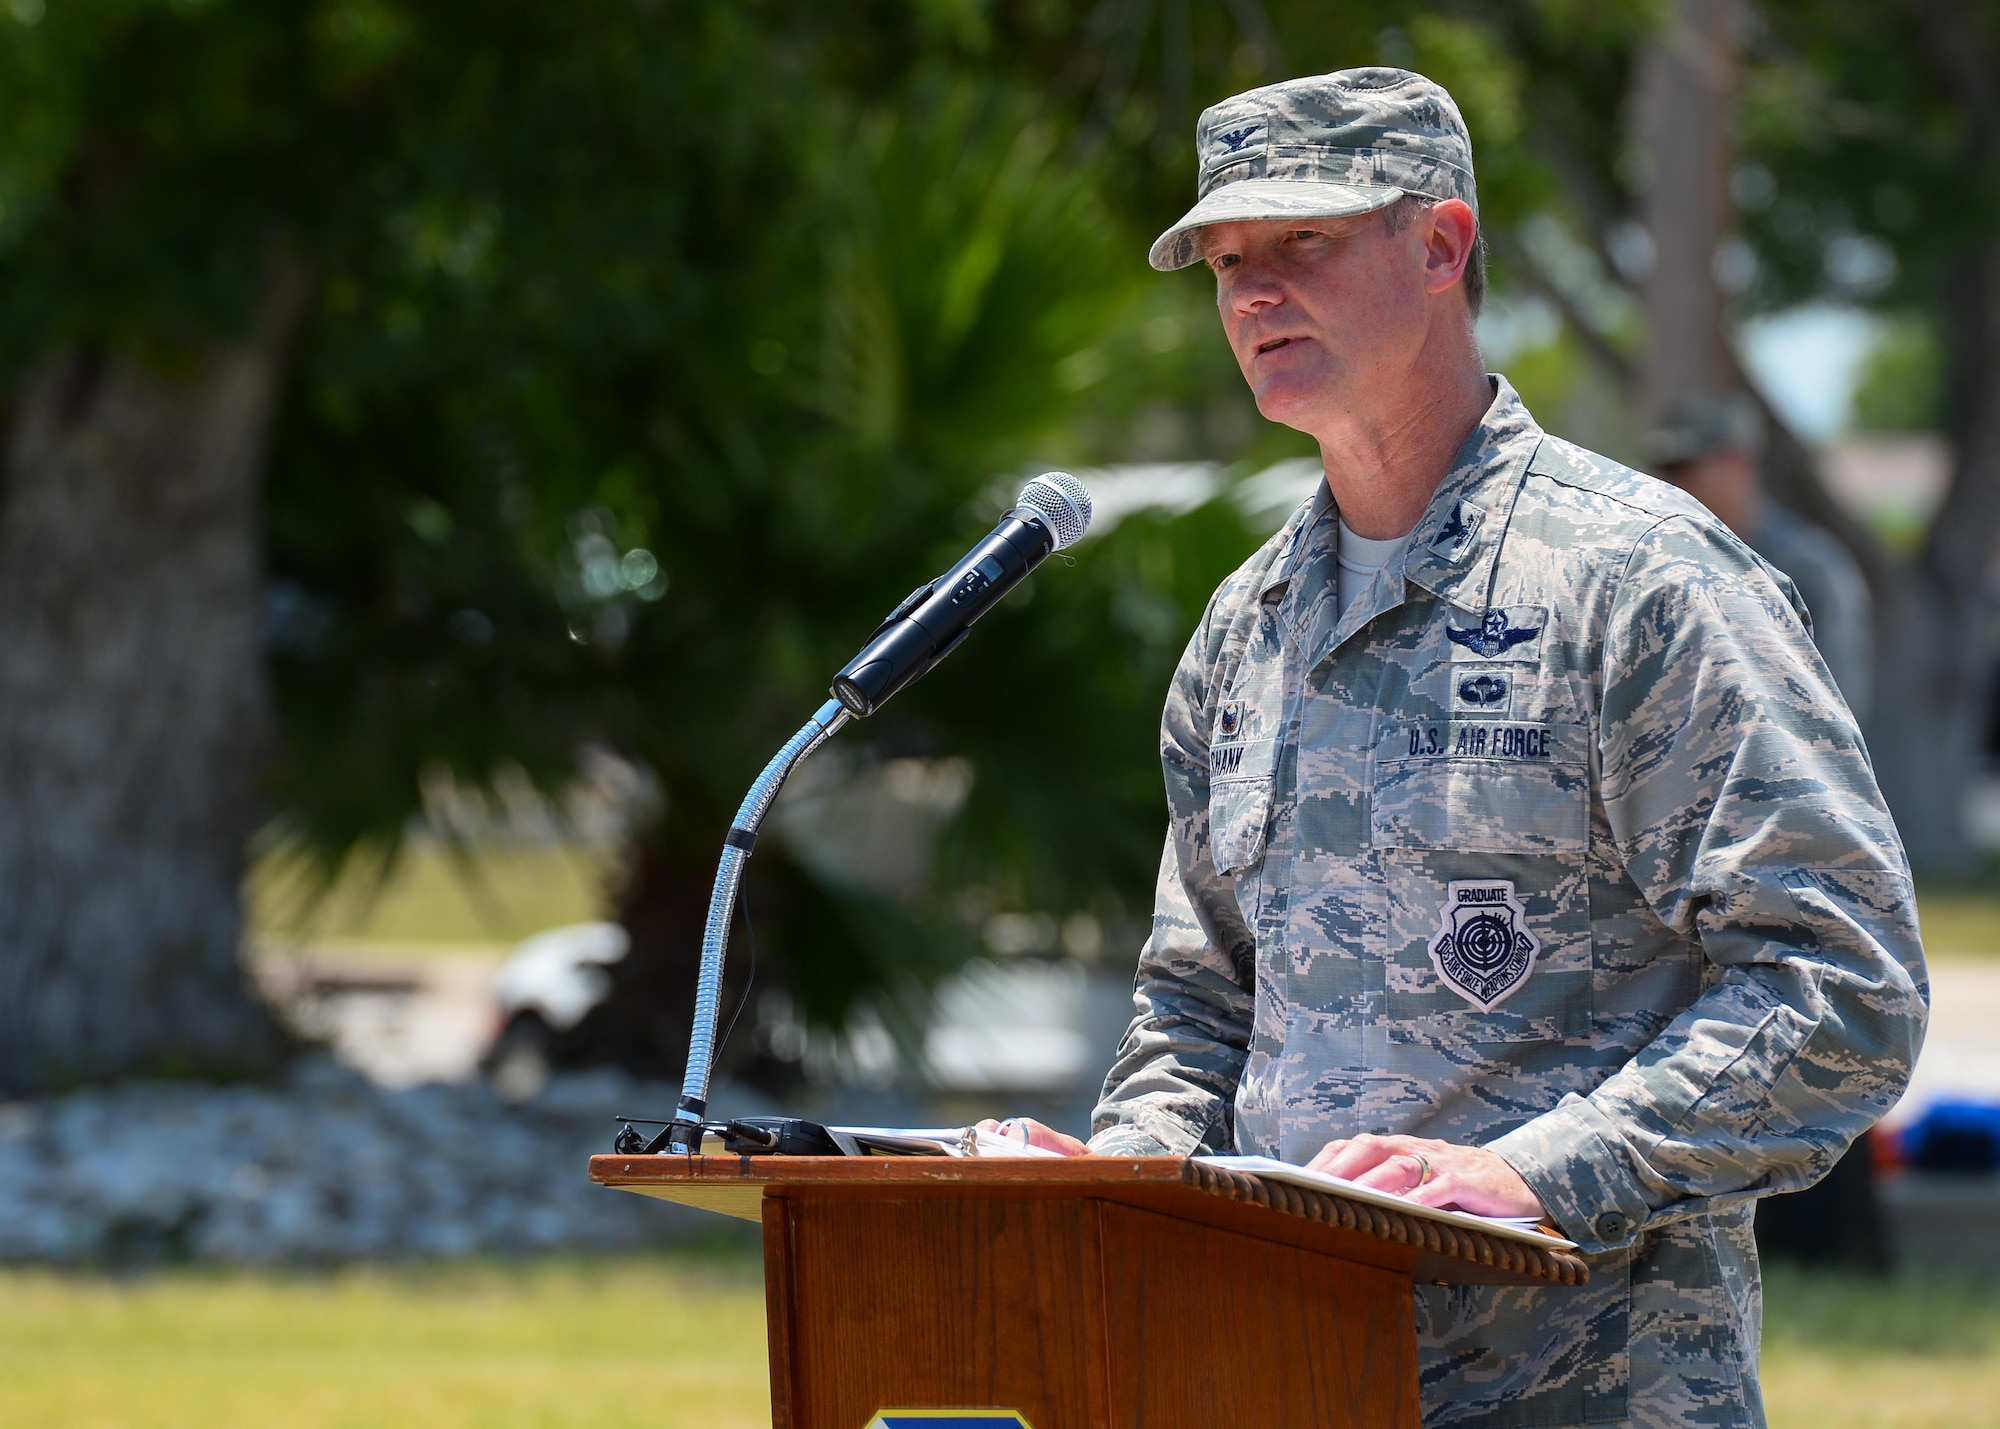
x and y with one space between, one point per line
1480 829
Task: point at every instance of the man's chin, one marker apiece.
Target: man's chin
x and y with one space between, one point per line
1298 405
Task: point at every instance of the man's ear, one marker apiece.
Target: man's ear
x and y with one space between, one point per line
1448 248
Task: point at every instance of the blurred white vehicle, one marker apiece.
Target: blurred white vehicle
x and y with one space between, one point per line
545 987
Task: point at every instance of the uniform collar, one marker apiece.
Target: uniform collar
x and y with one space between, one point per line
1296 533
1453 548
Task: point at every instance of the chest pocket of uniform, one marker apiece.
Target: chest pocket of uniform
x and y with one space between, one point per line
1239 801
1480 830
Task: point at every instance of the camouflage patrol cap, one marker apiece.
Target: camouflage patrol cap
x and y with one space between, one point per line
1323 147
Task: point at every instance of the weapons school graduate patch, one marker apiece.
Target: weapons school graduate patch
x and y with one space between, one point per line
1484 951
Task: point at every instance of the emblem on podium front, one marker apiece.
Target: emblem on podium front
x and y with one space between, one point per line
948 1419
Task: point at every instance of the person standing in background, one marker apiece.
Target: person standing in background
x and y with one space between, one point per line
1710 447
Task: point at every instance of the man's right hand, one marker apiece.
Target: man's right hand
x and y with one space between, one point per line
1033 1133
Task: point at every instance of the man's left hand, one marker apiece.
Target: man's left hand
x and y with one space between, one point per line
1033 1133
1432 1173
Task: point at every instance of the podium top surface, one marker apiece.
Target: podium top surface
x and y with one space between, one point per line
1417 1240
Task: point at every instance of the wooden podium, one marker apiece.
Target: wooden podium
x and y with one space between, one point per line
1093 1293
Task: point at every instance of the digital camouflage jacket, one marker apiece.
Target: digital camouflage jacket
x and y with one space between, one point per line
1559 842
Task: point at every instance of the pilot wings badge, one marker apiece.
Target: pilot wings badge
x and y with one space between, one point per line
1484 951
1498 632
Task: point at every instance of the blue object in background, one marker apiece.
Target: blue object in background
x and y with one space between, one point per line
1955 1136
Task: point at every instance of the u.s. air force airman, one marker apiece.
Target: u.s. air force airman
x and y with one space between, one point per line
1534 867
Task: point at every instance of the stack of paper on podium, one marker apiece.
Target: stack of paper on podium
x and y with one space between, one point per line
930 1141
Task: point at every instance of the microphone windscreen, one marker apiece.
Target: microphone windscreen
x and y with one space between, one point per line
1063 504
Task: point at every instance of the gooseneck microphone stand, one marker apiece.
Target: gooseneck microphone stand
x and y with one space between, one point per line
1052 512
736 847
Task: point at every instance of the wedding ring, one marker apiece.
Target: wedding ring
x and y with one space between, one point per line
1423 1166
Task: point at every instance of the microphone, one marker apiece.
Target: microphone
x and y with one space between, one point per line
1051 513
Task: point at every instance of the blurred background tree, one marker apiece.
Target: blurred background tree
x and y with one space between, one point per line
1871 168
617 369
406 397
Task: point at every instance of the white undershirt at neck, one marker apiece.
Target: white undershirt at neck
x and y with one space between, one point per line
1359 559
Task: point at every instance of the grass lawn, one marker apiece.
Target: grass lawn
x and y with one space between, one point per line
1960 920
673 1341
667 1343
1844 1353
495 896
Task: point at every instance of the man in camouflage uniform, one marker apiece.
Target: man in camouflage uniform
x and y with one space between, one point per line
1544 873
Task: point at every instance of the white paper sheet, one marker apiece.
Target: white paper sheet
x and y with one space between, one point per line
934 1141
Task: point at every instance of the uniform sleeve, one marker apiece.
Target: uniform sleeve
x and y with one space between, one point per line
1742 803
1173 1087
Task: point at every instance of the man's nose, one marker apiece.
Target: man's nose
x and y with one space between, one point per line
1253 288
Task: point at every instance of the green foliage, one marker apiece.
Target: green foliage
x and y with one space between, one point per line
655 349
1064 813
1901 388
1864 176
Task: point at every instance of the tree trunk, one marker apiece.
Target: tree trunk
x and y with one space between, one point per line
1686 84
132 713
